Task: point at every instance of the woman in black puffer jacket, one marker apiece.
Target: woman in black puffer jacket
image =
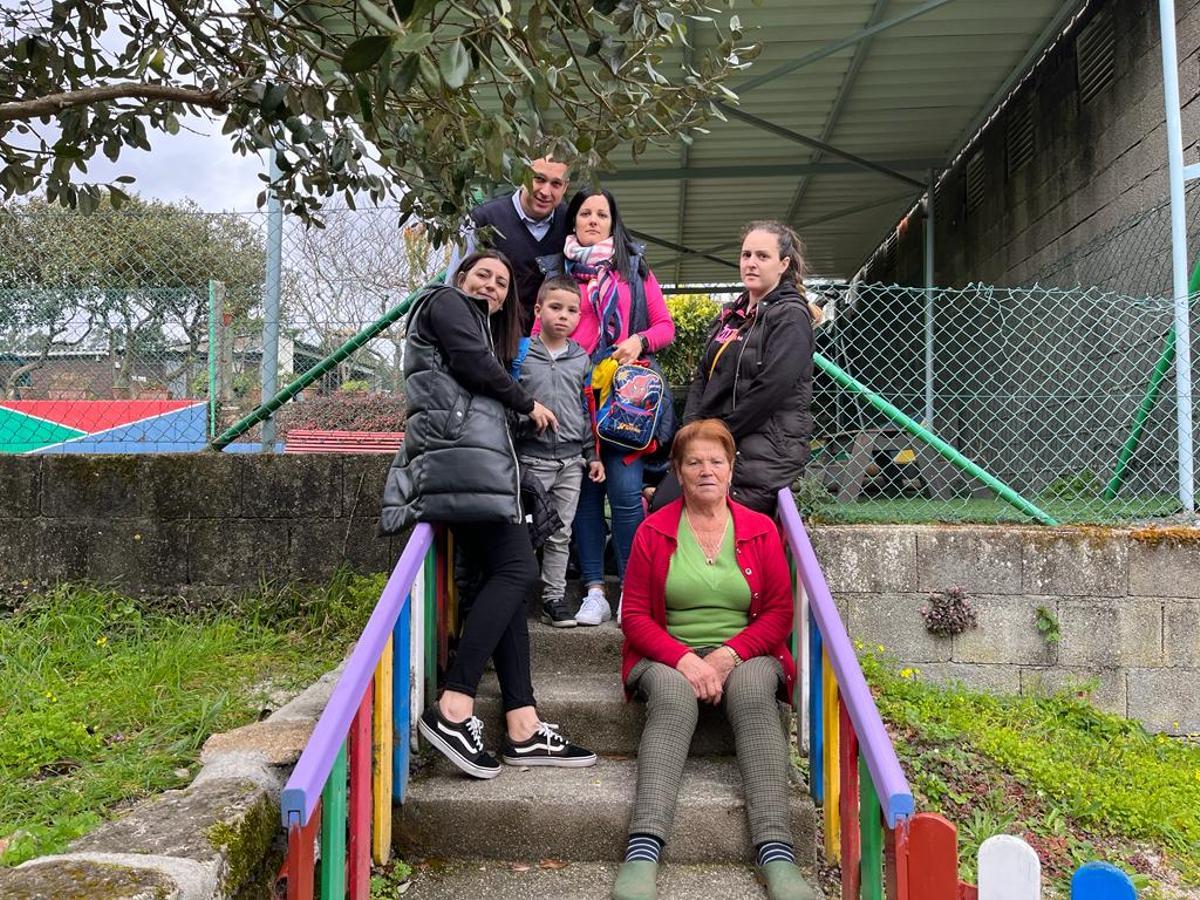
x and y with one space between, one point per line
756 370
457 466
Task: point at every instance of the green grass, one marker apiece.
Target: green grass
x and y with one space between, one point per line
106 700
918 510
1074 782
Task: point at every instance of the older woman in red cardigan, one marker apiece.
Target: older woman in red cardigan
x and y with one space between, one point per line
707 611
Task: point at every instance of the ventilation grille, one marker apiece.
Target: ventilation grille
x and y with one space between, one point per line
1019 136
976 180
1095 55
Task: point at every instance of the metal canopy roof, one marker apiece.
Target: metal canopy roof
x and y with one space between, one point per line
838 124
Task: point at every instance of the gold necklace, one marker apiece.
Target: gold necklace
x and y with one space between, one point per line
710 557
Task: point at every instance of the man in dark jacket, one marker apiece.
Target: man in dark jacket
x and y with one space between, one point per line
528 223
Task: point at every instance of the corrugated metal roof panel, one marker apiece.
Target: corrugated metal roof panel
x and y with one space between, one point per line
906 94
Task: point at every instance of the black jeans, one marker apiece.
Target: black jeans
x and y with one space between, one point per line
496 625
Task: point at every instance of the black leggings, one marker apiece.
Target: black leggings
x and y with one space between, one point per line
496 624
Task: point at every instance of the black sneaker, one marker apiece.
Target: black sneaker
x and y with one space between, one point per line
546 748
557 613
459 742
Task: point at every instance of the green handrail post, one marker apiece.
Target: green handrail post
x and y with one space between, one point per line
267 408
1165 360
919 431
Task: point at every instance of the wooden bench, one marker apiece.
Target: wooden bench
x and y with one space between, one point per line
318 441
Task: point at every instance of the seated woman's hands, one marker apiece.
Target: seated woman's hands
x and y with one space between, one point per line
706 677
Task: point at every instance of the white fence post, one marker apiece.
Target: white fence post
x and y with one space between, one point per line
1009 869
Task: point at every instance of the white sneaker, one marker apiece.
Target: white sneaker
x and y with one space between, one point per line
594 609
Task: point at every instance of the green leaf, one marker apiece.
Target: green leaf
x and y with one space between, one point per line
413 42
364 53
405 74
455 65
665 19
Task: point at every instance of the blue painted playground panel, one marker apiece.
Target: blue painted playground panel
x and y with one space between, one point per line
1101 881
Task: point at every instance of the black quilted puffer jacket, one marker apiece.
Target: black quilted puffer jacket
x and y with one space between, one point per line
457 462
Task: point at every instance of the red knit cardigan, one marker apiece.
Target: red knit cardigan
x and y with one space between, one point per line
760 556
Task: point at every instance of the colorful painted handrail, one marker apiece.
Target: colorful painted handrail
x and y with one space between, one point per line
849 687
870 827
356 762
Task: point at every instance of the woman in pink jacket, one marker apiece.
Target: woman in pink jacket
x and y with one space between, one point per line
623 316
707 614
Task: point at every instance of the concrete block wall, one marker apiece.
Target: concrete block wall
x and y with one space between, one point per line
1127 605
169 523
1095 164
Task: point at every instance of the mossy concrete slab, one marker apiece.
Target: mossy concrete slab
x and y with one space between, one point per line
57 879
277 743
231 823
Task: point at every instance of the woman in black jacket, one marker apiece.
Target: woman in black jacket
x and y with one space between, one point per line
756 370
457 466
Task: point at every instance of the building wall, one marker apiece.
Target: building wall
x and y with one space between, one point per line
1095 167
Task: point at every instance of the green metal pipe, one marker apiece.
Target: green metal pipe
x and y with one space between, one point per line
267 409
1165 361
914 428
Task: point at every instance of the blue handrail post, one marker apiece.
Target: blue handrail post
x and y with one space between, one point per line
401 701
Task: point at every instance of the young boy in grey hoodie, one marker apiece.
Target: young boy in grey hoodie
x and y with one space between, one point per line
556 370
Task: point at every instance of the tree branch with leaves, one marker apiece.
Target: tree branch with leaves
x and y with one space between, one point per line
425 102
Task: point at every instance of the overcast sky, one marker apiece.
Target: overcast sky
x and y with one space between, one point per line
201 166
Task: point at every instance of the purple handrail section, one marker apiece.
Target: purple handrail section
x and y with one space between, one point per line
304 788
895 798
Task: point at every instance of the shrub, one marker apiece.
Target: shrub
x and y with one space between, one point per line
344 412
812 497
693 315
1082 485
948 613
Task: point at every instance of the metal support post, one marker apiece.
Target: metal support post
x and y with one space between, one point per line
270 335
214 312
1179 255
929 301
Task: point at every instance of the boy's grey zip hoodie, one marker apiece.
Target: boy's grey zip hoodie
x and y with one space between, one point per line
558 384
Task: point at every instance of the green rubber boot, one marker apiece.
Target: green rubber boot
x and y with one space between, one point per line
784 882
635 881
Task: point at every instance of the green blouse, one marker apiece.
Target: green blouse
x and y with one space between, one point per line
706 605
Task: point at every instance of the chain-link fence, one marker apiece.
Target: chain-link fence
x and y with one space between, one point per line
106 322
1040 386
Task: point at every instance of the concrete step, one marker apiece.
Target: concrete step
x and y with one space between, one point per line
580 814
592 710
527 880
582 650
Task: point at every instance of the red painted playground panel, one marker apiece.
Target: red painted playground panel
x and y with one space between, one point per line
95 415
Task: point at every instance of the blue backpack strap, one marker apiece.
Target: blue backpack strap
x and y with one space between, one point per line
519 359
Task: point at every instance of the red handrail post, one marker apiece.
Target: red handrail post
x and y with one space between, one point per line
848 797
359 854
300 865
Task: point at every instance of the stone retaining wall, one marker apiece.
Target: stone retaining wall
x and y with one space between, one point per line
164 523
1126 604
